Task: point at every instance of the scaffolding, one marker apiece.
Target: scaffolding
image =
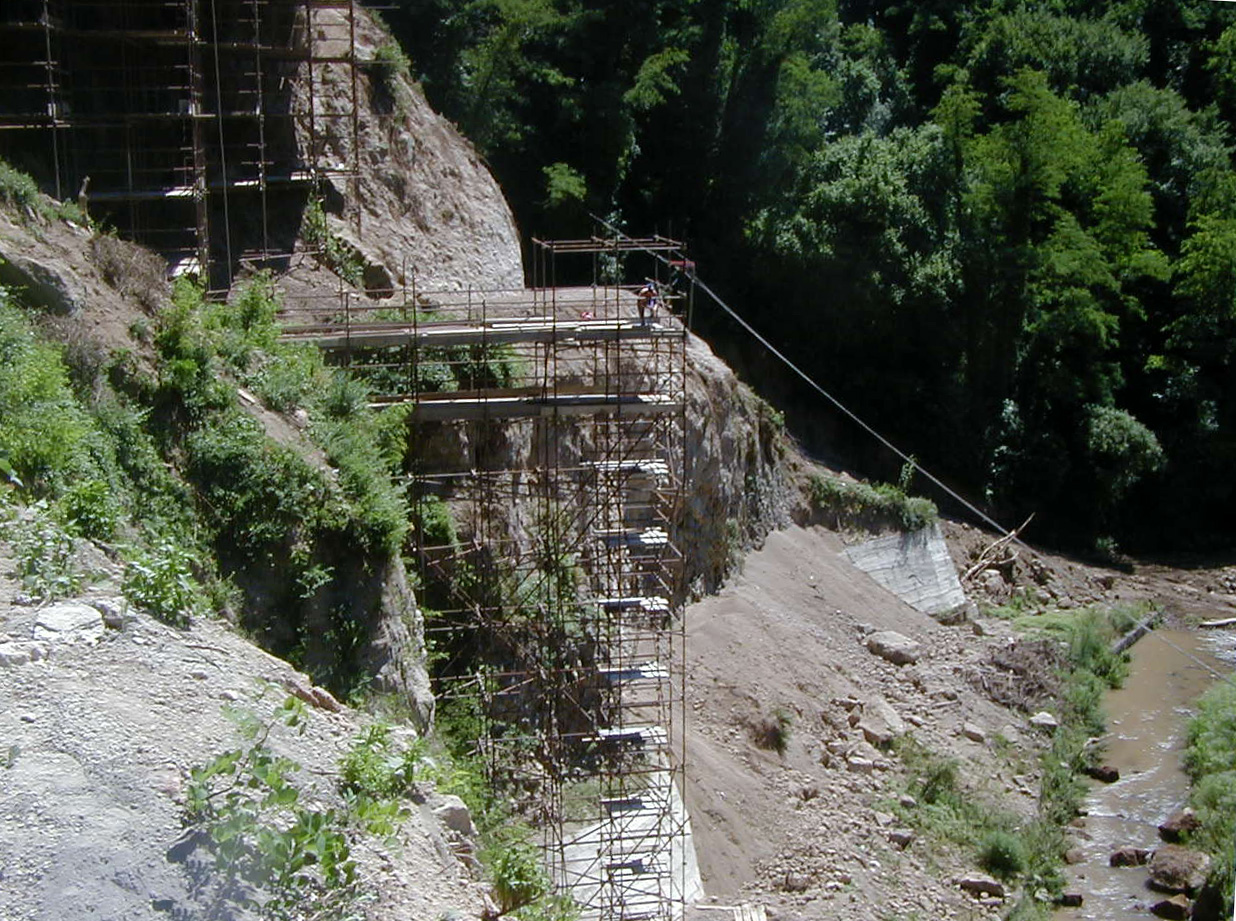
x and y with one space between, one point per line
189 126
547 491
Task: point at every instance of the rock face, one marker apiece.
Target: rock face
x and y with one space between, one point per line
736 449
1178 869
428 205
894 647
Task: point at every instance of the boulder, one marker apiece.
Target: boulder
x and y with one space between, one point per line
901 837
69 622
1128 857
1177 908
47 283
894 647
1178 824
1178 869
1074 856
973 733
453 813
978 884
1044 720
1104 773
1069 899
880 723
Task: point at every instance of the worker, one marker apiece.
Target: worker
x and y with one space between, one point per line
646 301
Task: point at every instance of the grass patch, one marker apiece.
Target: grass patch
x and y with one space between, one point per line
862 506
1210 759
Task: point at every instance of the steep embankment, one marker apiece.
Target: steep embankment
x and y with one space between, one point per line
429 211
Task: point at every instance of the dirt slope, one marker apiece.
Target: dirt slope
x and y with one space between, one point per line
807 839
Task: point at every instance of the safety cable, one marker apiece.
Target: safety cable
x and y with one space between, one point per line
914 464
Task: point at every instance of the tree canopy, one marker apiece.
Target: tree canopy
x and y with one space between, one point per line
1003 231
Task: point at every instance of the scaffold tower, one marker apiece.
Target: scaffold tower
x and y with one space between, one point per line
186 125
547 484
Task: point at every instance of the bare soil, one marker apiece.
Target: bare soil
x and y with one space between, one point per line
807 832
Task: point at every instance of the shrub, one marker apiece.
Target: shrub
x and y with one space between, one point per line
1212 733
44 431
375 767
772 733
1002 854
161 583
44 554
273 855
90 509
518 877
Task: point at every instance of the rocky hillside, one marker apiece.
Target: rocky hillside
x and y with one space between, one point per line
428 206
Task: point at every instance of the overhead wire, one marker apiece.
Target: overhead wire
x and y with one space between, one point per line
815 385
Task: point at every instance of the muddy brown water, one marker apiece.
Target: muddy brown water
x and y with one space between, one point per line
1146 720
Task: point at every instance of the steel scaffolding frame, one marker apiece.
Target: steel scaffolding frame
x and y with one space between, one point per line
556 588
173 120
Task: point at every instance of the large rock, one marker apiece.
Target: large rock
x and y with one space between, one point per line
1128 857
1044 720
46 283
1178 869
894 647
453 813
1176 908
1180 823
880 723
978 884
69 622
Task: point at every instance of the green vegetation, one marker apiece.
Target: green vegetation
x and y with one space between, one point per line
1003 232
273 852
772 733
1029 851
1210 759
862 506
156 458
19 191
334 251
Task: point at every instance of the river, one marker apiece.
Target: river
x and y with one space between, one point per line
1146 720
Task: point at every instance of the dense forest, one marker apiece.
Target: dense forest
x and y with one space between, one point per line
1004 232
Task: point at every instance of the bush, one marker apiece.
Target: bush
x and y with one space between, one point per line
1002 854
161 583
772 733
518 877
44 554
90 509
44 431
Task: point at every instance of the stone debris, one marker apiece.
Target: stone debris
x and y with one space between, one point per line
894 647
312 695
1177 908
21 653
879 723
973 733
453 813
901 837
